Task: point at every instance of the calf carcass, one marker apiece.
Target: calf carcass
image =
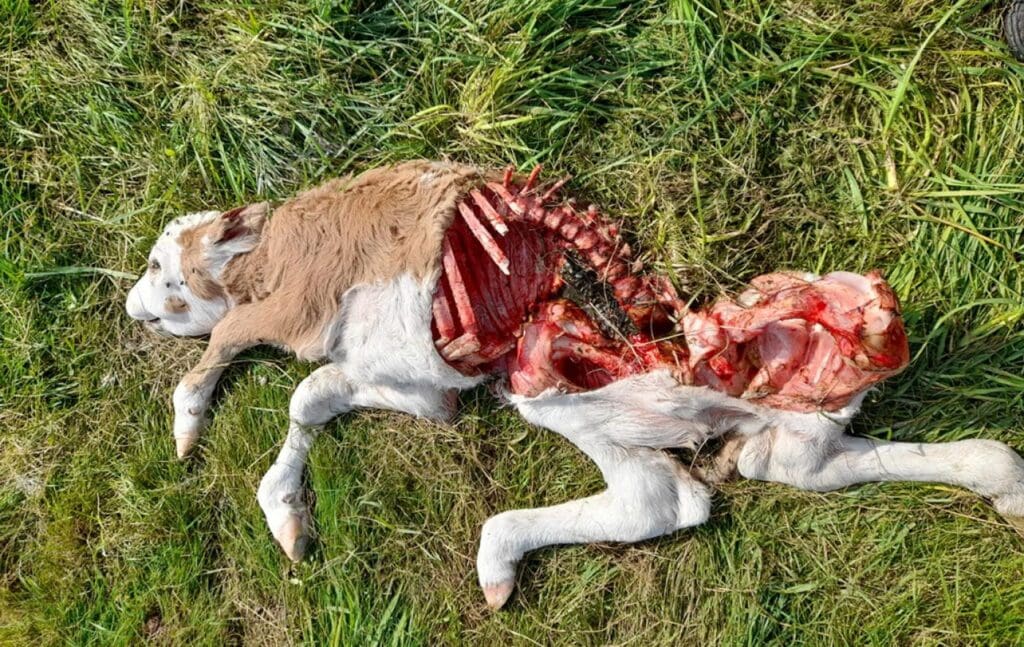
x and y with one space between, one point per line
549 296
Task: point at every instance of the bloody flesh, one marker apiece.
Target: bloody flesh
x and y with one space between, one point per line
789 341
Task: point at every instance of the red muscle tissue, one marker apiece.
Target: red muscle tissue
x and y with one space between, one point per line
503 305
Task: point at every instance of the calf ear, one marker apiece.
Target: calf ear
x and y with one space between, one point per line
240 222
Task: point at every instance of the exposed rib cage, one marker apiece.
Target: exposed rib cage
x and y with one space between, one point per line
797 343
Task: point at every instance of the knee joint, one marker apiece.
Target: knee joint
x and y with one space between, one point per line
667 502
317 399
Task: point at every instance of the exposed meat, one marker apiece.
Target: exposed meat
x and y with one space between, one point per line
561 347
790 341
494 276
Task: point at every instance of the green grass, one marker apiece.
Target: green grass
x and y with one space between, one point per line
733 138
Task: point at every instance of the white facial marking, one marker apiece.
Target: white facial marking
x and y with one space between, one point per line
162 298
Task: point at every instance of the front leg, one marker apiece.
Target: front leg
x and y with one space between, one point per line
193 394
828 462
324 394
243 327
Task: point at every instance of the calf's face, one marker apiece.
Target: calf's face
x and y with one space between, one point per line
180 293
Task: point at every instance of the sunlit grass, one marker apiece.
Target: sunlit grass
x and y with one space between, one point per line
732 137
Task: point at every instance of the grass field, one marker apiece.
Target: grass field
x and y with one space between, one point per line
732 137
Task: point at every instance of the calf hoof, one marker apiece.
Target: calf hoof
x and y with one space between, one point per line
293 536
184 445
496 560
285 509
497 594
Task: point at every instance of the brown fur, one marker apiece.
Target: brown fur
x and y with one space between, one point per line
242 221
193 264
379 225
176 304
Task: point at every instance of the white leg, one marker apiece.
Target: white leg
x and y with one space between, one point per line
195 390
324 394
649 494
280 492
809 462
241 328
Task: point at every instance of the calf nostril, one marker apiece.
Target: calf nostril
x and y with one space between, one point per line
168 284
176 304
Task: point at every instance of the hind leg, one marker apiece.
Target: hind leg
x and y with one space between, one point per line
324 394
830 460
648 494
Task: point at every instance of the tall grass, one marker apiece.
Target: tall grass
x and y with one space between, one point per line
732 137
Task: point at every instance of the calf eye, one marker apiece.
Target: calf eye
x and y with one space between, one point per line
154 265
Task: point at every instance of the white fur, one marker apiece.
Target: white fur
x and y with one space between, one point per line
380 354
147 298
382 335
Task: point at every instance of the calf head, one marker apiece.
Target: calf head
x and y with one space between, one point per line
181 293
